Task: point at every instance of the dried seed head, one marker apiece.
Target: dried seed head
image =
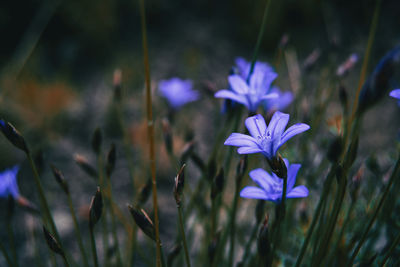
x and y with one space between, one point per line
97 139
13 135
96 208
143 221
52 242
83 163
111 159
60 179
179 184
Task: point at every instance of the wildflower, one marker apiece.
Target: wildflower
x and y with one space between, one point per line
395 93
271 187
263 139
8 183
281 102
253 93
177 92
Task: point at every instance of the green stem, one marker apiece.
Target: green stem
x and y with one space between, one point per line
94 252
325 191
395 174
8 259
65 261
113 224
77 231
232 228
104 187
12 241
182 229
392 247
332 221
247 249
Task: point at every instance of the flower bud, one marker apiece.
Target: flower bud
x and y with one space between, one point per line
212 247
143 221
144 192
278 166
52 242
60 179
263 243
111 159
335 149
117 81
13 135
85 166
96 208
355 184
179 184
186 152
218 184
96 141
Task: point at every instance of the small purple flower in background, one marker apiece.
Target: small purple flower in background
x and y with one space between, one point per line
263 139
8 183
281 102
243 67
178 92
271 187
395 93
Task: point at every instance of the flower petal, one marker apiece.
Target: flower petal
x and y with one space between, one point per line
253 192
293 130
298 191
256 125
263 179
248 150
277 124
238 84
231 95
238 139
395 93
292 173
269 96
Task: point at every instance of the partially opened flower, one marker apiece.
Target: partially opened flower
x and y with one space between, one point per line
177 92
395 93
8 183
270 187
263 139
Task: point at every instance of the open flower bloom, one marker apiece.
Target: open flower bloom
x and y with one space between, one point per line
8 183
263 139
177 92
395 93
271 187
281 102
253 93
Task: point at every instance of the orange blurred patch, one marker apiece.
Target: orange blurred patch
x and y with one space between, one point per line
335 123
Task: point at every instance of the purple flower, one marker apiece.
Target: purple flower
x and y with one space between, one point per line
395 93
177 92
263 139
281 102
243 67
271 187
8 183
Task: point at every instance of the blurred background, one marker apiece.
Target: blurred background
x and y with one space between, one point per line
57 60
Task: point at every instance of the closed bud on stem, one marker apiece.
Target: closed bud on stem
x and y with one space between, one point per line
263 243
241 167
144 192
373 165
343 97
212 247
97 139
167 134
60 179
117 81
52 242
13 135
179 184
83 163
355 184
143 221
218 184
335 149
278 166
186 152
96 208
111 159
352 152
211 169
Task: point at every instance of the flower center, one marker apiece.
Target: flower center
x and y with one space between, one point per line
264 140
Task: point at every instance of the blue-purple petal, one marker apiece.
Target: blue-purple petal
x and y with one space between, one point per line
298 191
253 192
238 84
294 130
248 150
395 93
263 179
238 139
292 173
277 124
231 95
256 125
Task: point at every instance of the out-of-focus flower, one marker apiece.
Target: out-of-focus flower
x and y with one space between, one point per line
281 102
395 93
263 139
8 183
271 187
178 92
243 68
346 66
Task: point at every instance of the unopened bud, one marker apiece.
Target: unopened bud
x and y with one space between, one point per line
186 152
83 163
117 81
167 133
60 179
335 149
96 141
143 221
179 184
355 184
96 208
13 135
218 184
263 243
352 152
343 97
52 242
373 165
111 159
278 166
242 166
144 192
212 247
